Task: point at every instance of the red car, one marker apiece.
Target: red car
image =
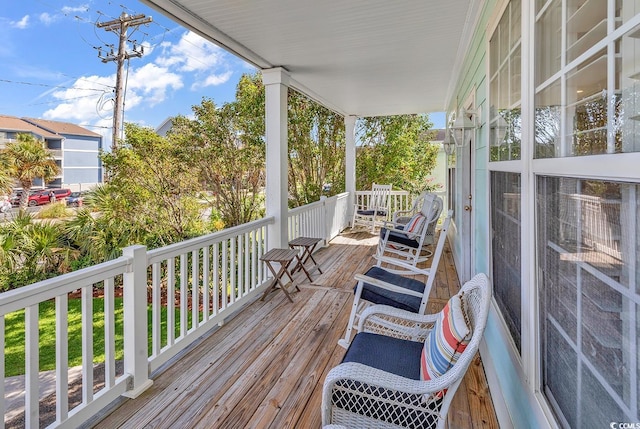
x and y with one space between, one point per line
42 197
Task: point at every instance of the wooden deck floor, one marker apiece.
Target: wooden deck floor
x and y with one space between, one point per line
265 367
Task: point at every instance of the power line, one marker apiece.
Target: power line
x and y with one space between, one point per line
51 86
61 100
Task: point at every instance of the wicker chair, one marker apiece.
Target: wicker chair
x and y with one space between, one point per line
376 210
398 241
378 383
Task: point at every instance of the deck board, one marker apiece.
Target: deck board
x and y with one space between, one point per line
265 367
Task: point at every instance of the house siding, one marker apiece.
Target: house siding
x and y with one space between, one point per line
514 397
81 143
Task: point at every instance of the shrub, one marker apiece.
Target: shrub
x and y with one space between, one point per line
54 211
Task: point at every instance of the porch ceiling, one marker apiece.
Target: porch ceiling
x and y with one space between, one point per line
357 57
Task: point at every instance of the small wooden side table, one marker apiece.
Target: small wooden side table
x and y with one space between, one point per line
284 257
308 244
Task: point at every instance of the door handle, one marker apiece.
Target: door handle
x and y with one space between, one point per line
467 208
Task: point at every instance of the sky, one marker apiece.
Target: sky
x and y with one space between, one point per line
51 67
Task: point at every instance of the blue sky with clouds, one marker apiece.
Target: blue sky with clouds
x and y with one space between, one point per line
51 68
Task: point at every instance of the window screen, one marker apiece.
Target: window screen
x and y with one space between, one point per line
505 244
589 280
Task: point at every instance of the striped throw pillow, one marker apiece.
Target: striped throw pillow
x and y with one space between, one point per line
448 338
414 226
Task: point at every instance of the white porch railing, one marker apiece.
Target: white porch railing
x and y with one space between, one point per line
181 291
322 219
400 200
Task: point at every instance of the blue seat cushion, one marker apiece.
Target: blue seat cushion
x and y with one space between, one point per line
394 355
378 295
372 212
398 237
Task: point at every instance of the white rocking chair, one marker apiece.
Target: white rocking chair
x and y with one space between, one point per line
385 285
376 209
407 242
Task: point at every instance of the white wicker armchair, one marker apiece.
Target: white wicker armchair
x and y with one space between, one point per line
358 395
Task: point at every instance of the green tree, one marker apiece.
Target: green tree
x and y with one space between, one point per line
151 189
395 150
6 181
28 160
316 149
101 235
228 147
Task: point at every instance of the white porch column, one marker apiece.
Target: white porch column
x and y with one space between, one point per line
350 161
276 83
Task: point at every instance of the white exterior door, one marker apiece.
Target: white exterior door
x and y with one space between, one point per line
466 208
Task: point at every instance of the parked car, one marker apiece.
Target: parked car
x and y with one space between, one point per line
38 198
75 199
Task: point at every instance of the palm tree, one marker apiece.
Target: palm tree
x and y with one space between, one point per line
6 181
28 160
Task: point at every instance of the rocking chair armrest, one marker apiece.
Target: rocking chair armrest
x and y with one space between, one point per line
392 227
395 322
404 265
361 278
398 214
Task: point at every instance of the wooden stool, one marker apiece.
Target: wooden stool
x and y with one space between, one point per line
284 257
308 244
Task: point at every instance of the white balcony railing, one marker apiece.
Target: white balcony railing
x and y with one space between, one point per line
170 296
322 219
400 200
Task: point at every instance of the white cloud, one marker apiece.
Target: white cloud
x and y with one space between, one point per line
213 80
70 9
90 98
150 83
193 54
22 24
46 18
86 101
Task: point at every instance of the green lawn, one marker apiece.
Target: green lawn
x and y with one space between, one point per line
14 335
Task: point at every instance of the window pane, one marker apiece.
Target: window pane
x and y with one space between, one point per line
516 23
587 106
626 9
547 122
505 224
548 42
589 290
586 25
505 86
627 101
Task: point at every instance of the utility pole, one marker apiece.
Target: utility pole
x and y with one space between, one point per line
120 26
